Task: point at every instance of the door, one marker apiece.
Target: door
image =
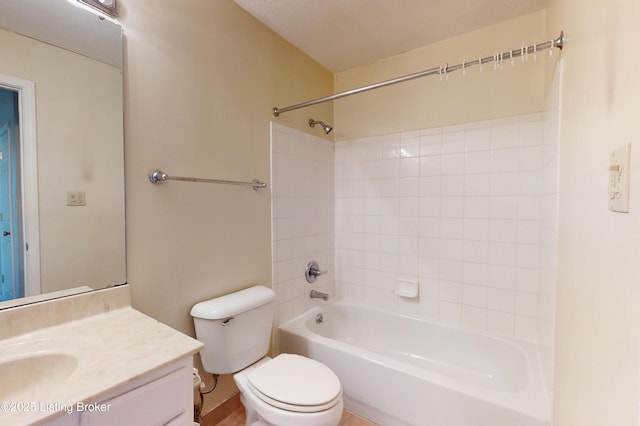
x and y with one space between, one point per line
11 277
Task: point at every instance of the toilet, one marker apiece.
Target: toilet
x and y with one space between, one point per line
288 390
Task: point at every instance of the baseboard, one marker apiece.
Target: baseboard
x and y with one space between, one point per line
216 415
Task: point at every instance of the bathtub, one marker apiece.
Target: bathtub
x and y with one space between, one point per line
399 370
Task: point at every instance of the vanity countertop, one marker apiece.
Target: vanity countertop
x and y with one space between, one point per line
113 348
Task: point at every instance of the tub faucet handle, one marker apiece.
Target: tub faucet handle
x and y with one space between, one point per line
313 271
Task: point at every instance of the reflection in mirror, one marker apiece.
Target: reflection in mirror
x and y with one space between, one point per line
61 151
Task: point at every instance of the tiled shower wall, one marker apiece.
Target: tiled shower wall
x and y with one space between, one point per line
302 214
459 210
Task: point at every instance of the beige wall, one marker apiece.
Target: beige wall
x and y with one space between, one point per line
597 319
79 142
201 80
429 102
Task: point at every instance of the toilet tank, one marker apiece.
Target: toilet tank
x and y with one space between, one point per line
235 329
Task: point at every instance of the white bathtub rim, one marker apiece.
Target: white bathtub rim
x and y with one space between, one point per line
531 400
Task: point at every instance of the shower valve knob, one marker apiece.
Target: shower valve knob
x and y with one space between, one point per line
313 271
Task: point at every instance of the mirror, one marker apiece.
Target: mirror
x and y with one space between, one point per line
68 176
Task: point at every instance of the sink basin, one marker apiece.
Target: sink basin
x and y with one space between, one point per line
25 377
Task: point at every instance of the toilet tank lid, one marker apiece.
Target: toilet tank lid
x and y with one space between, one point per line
234 303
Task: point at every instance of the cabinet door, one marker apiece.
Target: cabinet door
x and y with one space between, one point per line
155 403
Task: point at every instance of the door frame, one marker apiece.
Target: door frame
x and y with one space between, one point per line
29 179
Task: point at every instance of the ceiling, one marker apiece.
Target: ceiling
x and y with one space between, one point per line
343 34
61 24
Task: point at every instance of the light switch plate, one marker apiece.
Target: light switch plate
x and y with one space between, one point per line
619 165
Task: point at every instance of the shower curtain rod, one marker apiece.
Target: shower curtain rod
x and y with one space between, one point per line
441 70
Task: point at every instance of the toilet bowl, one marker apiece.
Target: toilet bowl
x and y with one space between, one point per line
290 390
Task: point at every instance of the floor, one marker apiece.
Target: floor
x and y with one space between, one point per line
238 418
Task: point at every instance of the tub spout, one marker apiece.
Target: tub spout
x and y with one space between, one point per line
318 295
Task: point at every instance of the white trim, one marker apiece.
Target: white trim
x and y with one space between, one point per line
29 187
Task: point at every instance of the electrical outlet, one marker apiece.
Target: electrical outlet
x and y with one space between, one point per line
76 198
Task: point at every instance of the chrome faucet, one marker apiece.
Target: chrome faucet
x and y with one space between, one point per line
319 295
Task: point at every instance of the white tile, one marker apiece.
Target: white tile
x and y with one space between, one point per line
501 299
428 268
505 135
452 164
528 232
530 183
476 251
452 228
478 162
429 247
530 158
450 291
408 306
450 313
450 270
430 149
408 245
431 166
502 277
451 249
430 206
504 254
389 187
410 166
529 207
531 134
452 207
501 323
410 147
528 256
390 148
428 308
430 186
389 243
504 184
475 273
476 229
528 280
390 168
452 146
452 186
474 295
504 208
408 265
477 207
388 262
503 230
408 226
477 185
504 160
526 304
409 186
526 328
478 139
428 287
429 227
474 318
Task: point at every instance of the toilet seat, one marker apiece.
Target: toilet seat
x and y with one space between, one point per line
295 383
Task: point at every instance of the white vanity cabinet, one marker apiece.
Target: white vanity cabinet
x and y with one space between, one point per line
164 397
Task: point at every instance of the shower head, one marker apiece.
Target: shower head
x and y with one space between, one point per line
327 129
